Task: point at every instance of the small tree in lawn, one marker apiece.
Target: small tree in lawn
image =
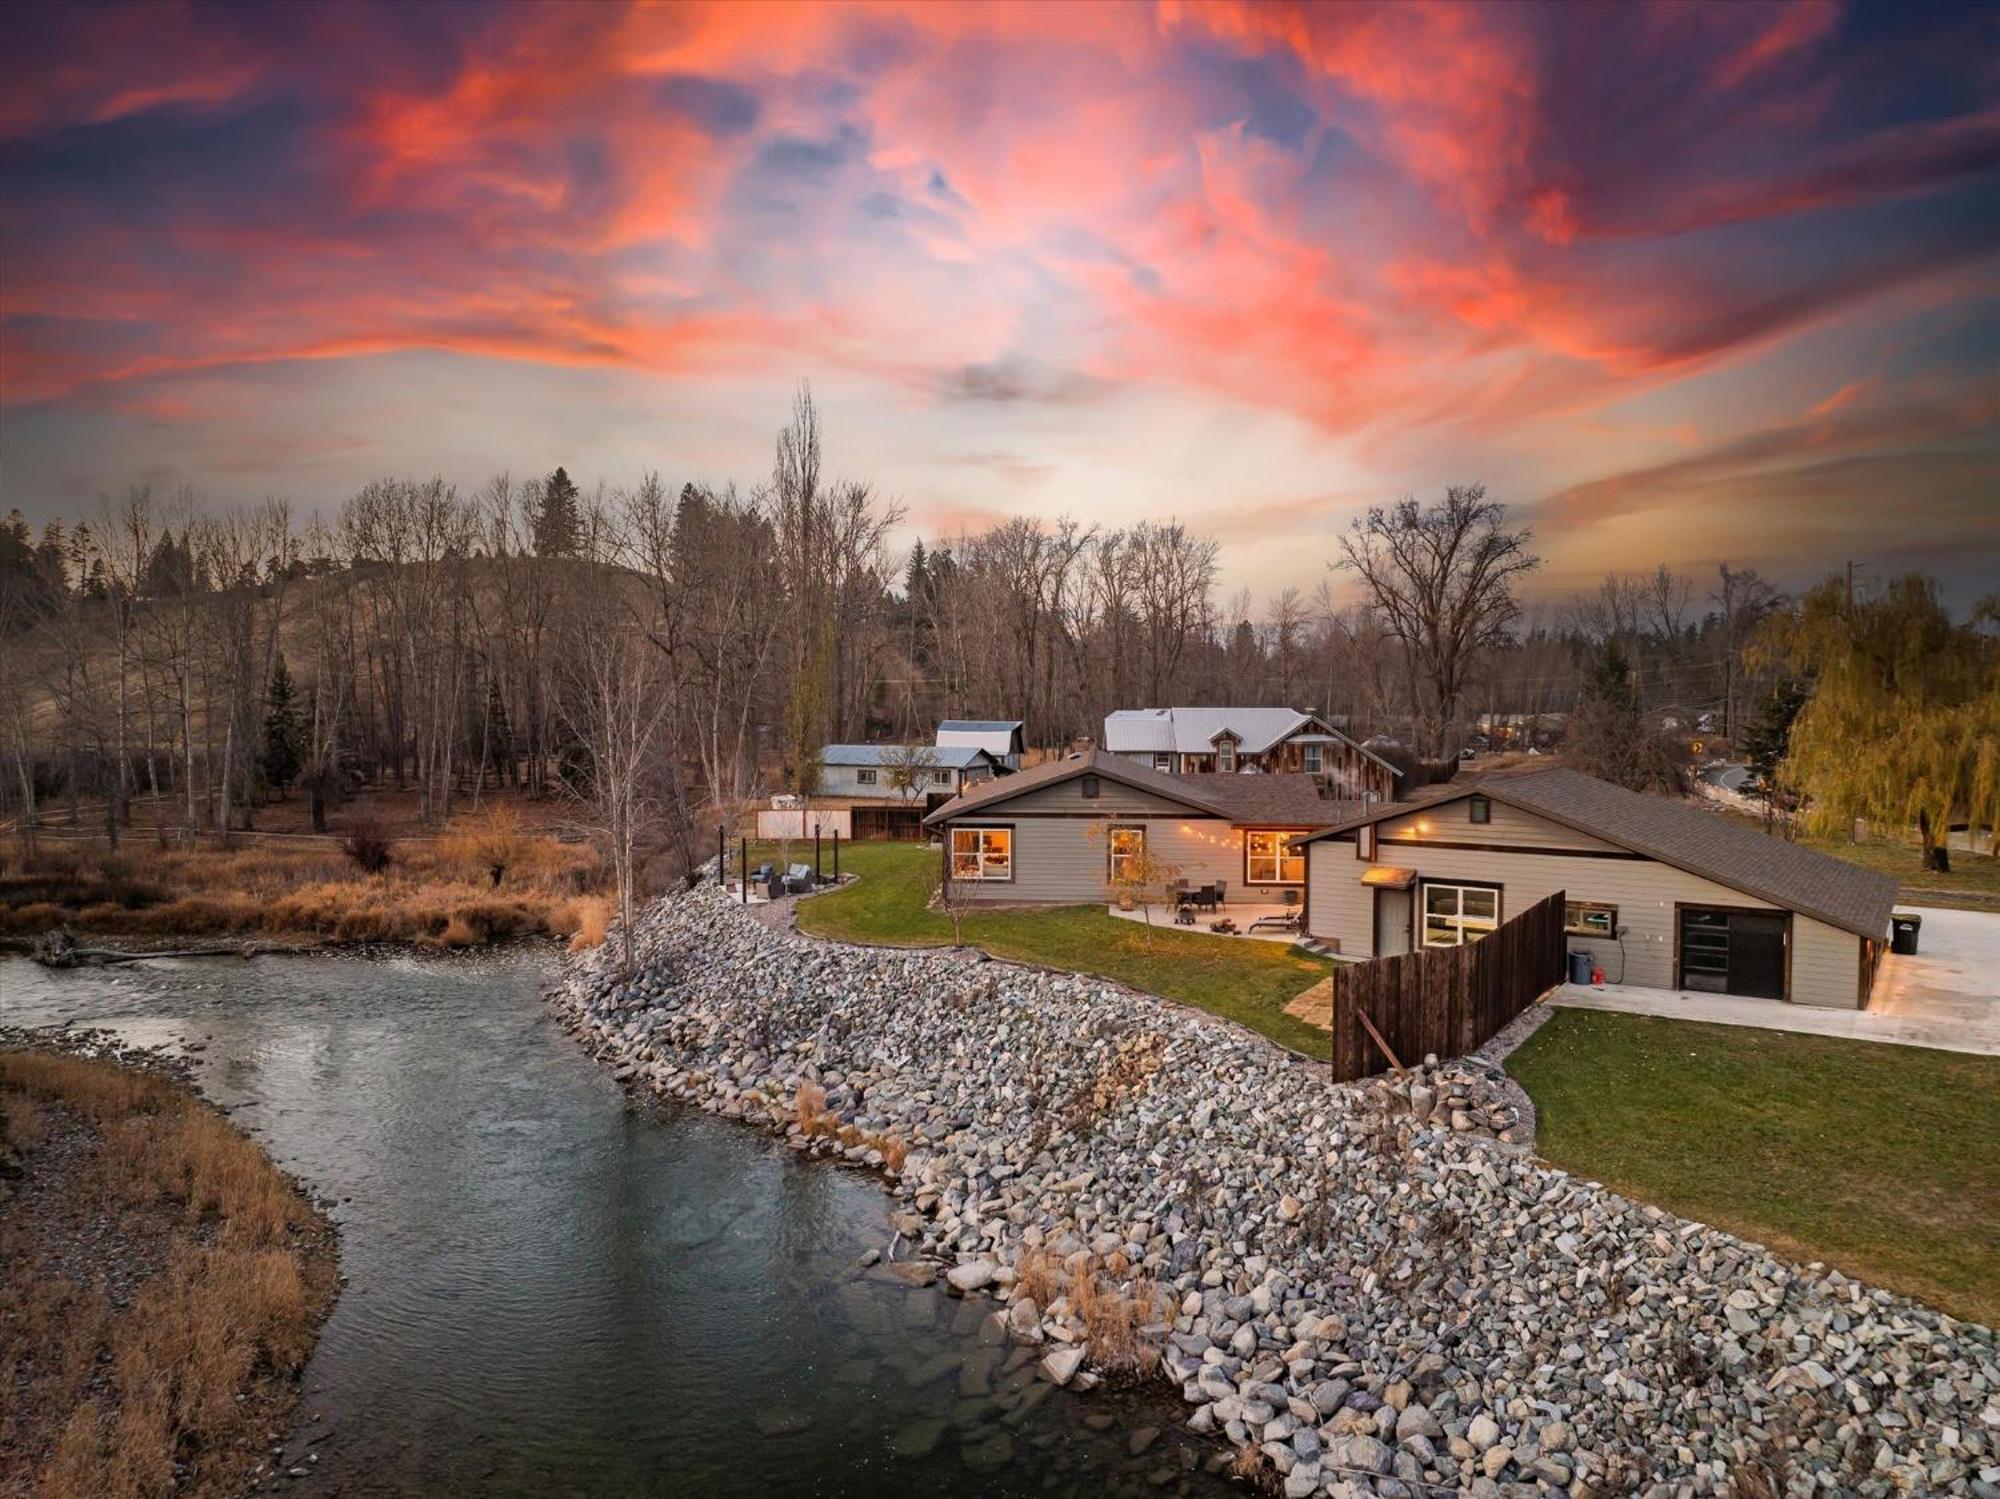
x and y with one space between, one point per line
1134 872
282 755
906 770
953 899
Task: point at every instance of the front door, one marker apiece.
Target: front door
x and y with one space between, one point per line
1733 952
1392 923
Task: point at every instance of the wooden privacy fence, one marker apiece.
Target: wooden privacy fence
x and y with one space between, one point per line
1447 1000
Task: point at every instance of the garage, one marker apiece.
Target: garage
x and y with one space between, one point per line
1731 950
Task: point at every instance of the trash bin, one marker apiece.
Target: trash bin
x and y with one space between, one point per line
1903 931
1579 967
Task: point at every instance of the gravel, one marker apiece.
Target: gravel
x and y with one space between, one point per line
1371 1285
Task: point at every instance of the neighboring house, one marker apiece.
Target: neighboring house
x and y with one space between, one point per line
1050 835
863 778
1660 893
1002 738
1193 741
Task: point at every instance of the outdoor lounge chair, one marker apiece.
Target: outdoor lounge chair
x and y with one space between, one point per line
1288 922
798 879
761 875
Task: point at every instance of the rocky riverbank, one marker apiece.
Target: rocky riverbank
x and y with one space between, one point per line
1364 1289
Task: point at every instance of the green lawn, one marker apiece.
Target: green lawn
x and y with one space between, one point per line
1883 1161
1248 982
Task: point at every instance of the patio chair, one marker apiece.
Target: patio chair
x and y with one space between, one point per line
1222 892
773 885
761 875
1288 922
798 879
1206 896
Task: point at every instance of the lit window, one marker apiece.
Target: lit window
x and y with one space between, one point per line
1457 914
982 853
1482 809
1589 918
1314 758
1127 846
864 777
1270 859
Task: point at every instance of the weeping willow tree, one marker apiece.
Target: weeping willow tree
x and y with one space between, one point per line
1903 725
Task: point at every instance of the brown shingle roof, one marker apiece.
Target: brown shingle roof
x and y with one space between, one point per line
1096 762
1281 800
1705 843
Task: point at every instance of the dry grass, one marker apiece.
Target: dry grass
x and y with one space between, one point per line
1112 1303
809 1110
223 1271
440 891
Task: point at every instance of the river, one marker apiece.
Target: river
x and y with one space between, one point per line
555 1290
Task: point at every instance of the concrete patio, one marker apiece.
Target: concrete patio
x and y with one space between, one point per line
1945 996
1243 913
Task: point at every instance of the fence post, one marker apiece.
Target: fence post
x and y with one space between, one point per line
816 878
836 856
722 855
743 874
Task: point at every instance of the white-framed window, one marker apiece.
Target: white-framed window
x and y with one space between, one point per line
1364 842
1314 757
1457 914
1126 845
1269 859
941 778
1590 918
982 853
865 777
1163 762
1225 756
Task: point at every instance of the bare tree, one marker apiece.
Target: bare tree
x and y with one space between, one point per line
1441 577
907 768
614 708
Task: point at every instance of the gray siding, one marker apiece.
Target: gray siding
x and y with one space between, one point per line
1825 961
1452 823
1065 860
843 780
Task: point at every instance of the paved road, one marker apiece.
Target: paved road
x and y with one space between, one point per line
1946 996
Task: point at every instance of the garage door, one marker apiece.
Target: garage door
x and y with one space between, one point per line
1733 952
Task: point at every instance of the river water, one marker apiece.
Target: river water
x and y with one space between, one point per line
555 1290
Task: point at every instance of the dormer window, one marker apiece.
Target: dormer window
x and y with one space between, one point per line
1090 788
1225 756
1482 809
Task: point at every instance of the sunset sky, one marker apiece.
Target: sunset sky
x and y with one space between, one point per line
1679 282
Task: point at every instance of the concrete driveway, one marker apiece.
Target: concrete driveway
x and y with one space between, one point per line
1946 996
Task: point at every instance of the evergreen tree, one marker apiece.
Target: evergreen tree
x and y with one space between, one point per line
1767 739
499 733
558 523
283 753
1610 738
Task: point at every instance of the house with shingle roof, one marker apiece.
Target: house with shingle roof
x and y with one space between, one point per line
1662 894
1053 835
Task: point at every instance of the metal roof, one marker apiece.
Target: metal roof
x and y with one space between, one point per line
943 757
1193 731
981 725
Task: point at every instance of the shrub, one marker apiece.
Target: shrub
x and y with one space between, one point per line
368 845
